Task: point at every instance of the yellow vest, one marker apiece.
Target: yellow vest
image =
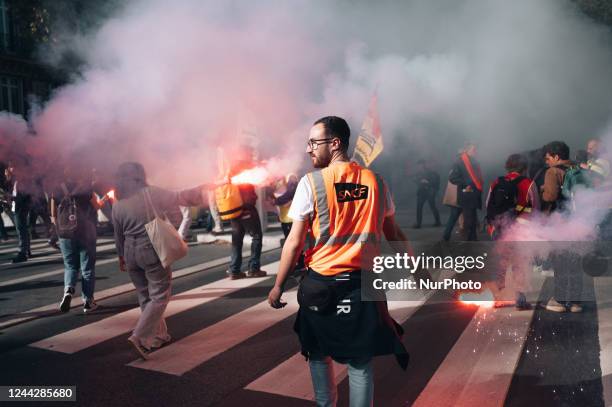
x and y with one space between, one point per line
283 213
229 201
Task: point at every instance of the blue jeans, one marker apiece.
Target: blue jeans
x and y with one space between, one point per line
248 223
79 253
361 381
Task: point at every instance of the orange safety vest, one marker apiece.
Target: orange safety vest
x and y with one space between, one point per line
349 212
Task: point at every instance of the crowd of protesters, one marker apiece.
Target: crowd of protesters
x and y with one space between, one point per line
535 184
539 183
65 204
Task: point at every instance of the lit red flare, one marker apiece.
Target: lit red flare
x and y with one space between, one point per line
483 299
111 195
254 176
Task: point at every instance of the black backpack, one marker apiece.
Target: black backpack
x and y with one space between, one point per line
503 198
67 220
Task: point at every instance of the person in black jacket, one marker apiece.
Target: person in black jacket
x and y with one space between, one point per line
5 202
247 222
19 177
467 176
428 184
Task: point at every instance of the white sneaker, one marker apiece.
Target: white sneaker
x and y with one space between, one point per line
65 303
89 306
555 306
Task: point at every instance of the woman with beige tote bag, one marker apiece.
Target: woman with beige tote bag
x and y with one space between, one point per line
147 244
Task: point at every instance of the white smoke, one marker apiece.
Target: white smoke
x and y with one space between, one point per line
166 85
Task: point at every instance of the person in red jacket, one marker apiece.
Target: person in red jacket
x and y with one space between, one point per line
511 198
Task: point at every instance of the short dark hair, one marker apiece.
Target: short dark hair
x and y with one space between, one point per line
336 127
130 178
516 162
558 148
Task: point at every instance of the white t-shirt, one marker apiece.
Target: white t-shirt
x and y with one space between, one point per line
303 201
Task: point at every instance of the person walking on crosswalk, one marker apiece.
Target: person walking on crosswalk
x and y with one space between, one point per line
74 207
137 255
345 207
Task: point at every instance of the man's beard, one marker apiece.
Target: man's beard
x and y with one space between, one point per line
319 162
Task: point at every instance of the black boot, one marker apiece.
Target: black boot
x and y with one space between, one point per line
20 258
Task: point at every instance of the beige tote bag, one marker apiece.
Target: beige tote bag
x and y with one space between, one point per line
166 241
450 195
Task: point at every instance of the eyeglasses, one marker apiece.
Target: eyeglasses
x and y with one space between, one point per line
314 143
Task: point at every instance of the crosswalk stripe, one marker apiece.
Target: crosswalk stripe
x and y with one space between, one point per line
92 334
603 288
53 255
479 368
190 352
292 377
110 292
13 248
38 276
59 271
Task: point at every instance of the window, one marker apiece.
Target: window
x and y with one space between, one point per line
11 94
6 42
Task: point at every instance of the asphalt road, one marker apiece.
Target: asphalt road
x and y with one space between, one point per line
230 349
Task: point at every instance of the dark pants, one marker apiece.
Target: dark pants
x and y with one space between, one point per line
430 198
605 228
452 220
249 223
568 277
22 211
470 223
3 234
286 229
40 208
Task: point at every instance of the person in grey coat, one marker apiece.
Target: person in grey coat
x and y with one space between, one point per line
137 255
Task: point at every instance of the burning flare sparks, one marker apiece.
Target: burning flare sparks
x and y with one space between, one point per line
483 299
111 195
254 176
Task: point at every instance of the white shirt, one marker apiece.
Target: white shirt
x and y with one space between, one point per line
303 201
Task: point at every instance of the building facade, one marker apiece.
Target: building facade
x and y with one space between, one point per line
23 80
